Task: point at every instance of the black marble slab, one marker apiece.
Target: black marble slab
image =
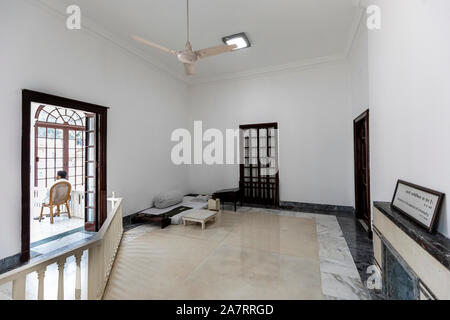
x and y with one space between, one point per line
9 263
315 207
435 244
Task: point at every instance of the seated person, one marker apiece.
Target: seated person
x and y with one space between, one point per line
61 176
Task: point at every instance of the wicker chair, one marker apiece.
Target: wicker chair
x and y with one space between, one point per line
59 195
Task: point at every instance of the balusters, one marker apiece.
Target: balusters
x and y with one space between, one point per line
78 257
18 289
102 253
61 266
41 276
94 272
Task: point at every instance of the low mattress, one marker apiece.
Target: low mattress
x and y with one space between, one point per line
191 202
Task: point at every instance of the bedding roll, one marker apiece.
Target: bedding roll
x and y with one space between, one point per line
167 199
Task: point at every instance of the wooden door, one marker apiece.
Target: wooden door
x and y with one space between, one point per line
259 177
362 170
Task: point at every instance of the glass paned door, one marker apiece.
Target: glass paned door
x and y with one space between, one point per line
49 155
259 181
59 149
91 173
60 145
76 156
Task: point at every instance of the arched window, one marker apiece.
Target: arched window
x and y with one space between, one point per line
59 145
55 115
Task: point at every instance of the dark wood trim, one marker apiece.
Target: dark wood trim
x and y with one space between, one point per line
29 96
433 226
102 172
59 126
26 172
363 117
39 97
260 126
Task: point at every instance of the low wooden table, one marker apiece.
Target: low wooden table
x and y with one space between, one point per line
228 195
201 216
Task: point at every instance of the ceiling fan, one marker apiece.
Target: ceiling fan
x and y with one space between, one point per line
187 56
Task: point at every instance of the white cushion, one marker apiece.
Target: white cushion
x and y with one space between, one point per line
167 199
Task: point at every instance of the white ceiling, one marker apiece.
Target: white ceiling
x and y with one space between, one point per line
281 31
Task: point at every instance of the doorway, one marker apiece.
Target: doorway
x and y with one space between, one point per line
362 171
68 136
59 144
259 174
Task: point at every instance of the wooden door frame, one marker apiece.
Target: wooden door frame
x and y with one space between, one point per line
363 117
276 190
29 96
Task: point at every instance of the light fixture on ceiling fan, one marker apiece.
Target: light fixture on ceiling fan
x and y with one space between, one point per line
187 56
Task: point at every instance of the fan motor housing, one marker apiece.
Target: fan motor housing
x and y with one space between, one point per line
187 56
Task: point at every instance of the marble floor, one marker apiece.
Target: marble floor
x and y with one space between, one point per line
60 244
43 230
361 248
340 277
360 245
252 254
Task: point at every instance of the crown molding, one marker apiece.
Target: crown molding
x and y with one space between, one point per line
298 65
92 28
355 28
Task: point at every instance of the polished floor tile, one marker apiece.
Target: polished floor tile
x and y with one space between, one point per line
343 287
245 255
250 254
244 273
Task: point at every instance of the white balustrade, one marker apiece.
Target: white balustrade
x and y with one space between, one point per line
102 250
61 266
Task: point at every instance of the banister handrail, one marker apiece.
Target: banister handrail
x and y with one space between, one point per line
46 261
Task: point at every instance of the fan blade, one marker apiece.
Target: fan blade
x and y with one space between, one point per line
213 51
189 68
154 45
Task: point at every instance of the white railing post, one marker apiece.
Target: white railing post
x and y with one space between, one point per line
19 288
78 257
61 266
41 276
101 269
91 273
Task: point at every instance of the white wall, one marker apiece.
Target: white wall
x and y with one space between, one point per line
358 67
409 80
312 107
37 52
359 70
